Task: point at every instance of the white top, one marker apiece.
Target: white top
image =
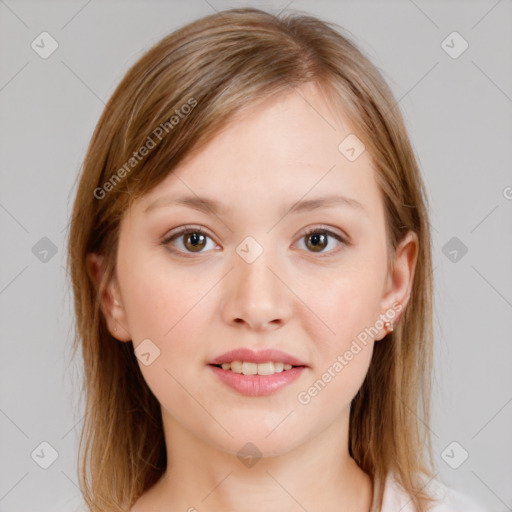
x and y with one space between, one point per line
395 499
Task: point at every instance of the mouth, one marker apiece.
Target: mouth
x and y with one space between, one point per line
249 368
250 379
243 359
257 373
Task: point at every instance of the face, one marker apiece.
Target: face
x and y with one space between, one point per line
256 274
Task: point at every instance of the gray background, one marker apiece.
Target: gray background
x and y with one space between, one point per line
458 112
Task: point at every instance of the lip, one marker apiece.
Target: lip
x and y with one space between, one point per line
257 385
260 356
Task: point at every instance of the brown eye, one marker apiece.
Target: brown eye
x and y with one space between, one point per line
316 242
194 241
191 240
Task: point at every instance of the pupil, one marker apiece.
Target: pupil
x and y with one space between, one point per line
194 238
317 238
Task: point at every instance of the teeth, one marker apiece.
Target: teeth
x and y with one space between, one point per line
246 368
250 368
236 366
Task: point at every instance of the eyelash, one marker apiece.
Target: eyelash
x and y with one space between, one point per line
186 230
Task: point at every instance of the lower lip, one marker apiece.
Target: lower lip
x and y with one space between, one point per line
258 385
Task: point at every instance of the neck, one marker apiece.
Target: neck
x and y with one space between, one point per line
308 477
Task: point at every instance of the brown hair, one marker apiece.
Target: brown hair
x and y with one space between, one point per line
220 65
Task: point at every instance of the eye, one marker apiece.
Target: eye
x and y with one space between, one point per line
194 239
317 239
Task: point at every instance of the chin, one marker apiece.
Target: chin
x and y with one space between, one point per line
256 442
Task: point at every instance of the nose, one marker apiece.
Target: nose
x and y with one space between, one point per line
255 295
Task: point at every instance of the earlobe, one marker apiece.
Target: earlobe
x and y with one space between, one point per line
110 302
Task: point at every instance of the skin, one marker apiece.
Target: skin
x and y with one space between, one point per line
303 302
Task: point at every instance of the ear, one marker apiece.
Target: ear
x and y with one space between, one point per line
400 279
111 304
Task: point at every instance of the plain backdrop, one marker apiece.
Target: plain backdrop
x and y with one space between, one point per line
458 109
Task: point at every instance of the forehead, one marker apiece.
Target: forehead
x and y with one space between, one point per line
286 147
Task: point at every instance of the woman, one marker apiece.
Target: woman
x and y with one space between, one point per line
251 262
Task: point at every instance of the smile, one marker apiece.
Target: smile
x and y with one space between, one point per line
248 368
251 379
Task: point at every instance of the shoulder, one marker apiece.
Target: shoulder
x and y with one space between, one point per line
447 499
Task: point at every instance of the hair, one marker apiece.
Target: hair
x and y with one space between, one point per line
220 66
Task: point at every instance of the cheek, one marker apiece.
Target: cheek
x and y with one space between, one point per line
344 305
346 309
161 299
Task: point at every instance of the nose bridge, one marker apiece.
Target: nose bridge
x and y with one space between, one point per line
252 268
256 294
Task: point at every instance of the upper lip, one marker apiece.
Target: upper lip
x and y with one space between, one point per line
260 356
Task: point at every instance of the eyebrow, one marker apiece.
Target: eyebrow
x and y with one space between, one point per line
207 205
